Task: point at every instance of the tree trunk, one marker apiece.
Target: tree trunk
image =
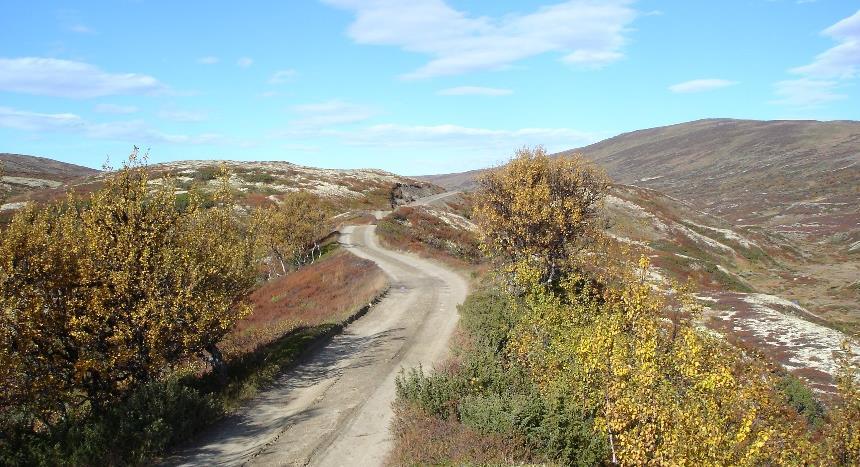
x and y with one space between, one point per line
283 265
216 359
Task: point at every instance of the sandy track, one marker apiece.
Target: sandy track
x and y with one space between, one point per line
335 409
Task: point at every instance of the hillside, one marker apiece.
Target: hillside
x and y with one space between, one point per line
762 216
254 183
801 178
23 174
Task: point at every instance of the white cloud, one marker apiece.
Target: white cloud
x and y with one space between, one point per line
208 60
139 132
447 133
699 85
245 62
35 121
329 113
593 58
474 91
65 78
135 131
301 147
819 81
805 92
81 29
183 115
115 109
841 61
585 32
282 76
449 137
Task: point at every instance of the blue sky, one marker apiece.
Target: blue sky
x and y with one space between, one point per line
420 86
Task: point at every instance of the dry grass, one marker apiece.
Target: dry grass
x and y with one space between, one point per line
328 291
423 439
417 231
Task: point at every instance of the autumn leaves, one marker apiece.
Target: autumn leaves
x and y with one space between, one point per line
589 327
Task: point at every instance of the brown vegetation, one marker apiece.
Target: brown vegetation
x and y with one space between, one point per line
328 291
425 439
418 230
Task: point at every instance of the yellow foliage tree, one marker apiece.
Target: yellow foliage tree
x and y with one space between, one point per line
663 392
537 210
100 295
289 233
842 446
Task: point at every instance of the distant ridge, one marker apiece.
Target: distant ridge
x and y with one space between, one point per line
20 165
713 149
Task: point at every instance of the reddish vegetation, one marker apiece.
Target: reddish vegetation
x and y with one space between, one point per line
328 291
357 218
416 230
423 439
257 200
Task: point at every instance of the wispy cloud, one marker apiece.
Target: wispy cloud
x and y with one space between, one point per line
806 92
182 115
329 113
583 32
282 76
71 20
65 78
448 134
115 109
475 141
245 62
37 121
841 61
81 29
135 131
700 85
819 81
208 60
474 91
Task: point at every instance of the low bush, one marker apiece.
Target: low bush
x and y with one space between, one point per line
156 416
800 397
486 397
417 230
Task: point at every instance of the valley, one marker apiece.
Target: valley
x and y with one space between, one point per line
771 251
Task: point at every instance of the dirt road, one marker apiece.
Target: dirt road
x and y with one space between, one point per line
336 409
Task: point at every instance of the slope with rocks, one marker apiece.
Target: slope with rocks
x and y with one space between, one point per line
25 174
758 290
761 215
255 183
798 178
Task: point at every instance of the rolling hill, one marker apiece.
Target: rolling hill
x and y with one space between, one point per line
254 183
762 215
23 174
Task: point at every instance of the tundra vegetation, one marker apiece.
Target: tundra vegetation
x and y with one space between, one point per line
127 319
569 355
284 231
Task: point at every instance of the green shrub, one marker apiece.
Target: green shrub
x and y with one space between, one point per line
153 418
803 400
492 395
437 394
257 177
205 174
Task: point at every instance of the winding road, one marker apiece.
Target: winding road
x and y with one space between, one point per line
335 408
